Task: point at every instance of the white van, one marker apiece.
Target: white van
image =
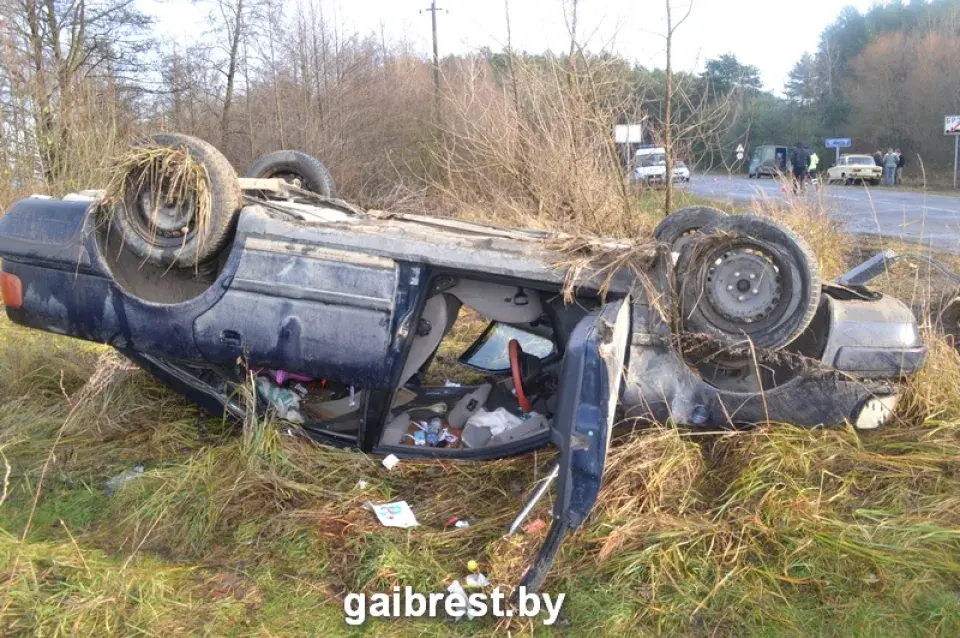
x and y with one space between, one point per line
650 166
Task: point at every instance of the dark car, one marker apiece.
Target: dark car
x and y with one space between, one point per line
723 320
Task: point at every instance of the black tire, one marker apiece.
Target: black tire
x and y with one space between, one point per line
762 243
294 167
685 221
168 246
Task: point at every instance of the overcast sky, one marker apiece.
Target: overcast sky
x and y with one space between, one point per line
770 34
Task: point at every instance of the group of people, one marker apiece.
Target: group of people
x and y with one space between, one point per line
805 162
892 164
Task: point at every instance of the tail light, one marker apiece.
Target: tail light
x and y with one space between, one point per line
11 289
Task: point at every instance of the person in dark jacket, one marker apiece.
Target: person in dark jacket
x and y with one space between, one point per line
878 159
901 162
800 159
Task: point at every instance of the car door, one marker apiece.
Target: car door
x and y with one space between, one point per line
590 383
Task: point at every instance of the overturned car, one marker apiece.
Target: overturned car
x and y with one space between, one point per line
338 312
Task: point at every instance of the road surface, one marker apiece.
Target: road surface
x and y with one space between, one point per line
923 219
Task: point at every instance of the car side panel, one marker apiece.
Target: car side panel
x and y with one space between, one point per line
325 313
278 303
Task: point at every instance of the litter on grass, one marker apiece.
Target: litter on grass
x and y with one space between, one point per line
116 482
396 514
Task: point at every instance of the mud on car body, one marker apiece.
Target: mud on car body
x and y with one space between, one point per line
728 323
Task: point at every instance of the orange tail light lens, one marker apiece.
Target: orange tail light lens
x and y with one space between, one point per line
11 288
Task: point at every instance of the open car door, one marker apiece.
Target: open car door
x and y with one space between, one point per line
590 381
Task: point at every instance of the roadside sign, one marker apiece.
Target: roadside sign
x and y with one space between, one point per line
628 134
951 125
839 142
739 149
739 155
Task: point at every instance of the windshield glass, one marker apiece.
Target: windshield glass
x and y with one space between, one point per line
652 159
861 161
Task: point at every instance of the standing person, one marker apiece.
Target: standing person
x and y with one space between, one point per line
800 158
890 162
814 162
901 162
878 159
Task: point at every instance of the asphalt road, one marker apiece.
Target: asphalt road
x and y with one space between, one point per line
923 219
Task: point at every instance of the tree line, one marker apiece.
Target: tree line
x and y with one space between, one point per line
80 78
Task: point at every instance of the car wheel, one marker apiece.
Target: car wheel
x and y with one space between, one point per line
170 233
685 221
300 169
750 277
874 182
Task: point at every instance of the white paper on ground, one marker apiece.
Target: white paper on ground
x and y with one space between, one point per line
396 514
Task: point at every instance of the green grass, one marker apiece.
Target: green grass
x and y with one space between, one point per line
773 531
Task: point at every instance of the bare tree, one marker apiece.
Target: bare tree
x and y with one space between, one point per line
57 45
668 105
232 21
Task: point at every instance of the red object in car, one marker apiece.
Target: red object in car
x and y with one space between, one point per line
514 350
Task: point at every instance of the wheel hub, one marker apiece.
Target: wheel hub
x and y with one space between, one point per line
743 285
293 179
162 214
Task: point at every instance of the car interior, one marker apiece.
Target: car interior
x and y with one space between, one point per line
492 339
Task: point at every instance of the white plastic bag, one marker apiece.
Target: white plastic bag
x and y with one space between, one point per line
498 421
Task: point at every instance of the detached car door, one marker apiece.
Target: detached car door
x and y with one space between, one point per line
590 382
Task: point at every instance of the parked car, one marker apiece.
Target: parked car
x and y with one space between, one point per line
651 167
339 311
771 160
855 168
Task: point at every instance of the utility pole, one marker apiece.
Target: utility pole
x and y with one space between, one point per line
433 8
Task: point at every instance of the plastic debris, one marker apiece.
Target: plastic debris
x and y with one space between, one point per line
498 421
396 514
390 461
451 384
461 524
472 565
457 592
114 483
476 581
282 376
361 484
285 401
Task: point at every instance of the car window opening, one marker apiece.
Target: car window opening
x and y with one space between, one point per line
464 395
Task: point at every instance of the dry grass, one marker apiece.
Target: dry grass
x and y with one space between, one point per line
771 531
774 530
168 175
